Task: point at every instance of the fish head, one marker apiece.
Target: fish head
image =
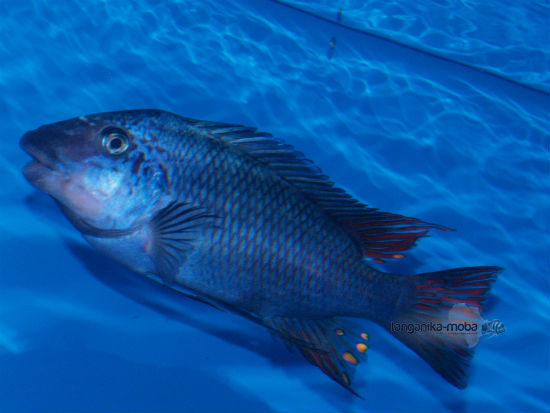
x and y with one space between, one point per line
106 171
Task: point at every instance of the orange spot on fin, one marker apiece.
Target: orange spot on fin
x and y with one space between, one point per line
379 260
398 256
361 347
350 358
364 336
325 343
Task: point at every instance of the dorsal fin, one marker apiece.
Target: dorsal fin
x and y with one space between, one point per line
379 234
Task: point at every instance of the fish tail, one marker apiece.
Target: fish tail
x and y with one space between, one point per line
438 315
412 308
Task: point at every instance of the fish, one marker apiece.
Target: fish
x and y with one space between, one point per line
240 220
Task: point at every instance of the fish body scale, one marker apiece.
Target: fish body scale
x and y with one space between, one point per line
273 249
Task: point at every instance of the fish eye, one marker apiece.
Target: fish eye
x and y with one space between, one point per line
115 141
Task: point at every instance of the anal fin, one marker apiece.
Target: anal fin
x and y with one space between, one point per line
333 345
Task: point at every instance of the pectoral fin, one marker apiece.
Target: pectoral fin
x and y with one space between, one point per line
174 232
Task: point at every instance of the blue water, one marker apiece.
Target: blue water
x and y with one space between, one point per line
406 129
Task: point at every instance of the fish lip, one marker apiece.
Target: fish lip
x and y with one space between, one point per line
35 172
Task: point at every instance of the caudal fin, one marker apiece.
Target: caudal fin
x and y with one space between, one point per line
440 317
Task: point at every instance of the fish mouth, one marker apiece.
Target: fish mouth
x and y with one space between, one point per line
35 171
45 160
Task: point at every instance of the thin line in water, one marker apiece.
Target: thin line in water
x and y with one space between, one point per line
415 48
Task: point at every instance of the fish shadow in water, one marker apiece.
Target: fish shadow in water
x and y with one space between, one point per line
178 307
172 304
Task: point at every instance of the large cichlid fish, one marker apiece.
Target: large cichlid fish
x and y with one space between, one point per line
238 219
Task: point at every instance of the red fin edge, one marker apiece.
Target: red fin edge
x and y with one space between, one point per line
385 235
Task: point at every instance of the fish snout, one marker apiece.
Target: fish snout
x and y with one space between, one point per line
45 165
42 144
